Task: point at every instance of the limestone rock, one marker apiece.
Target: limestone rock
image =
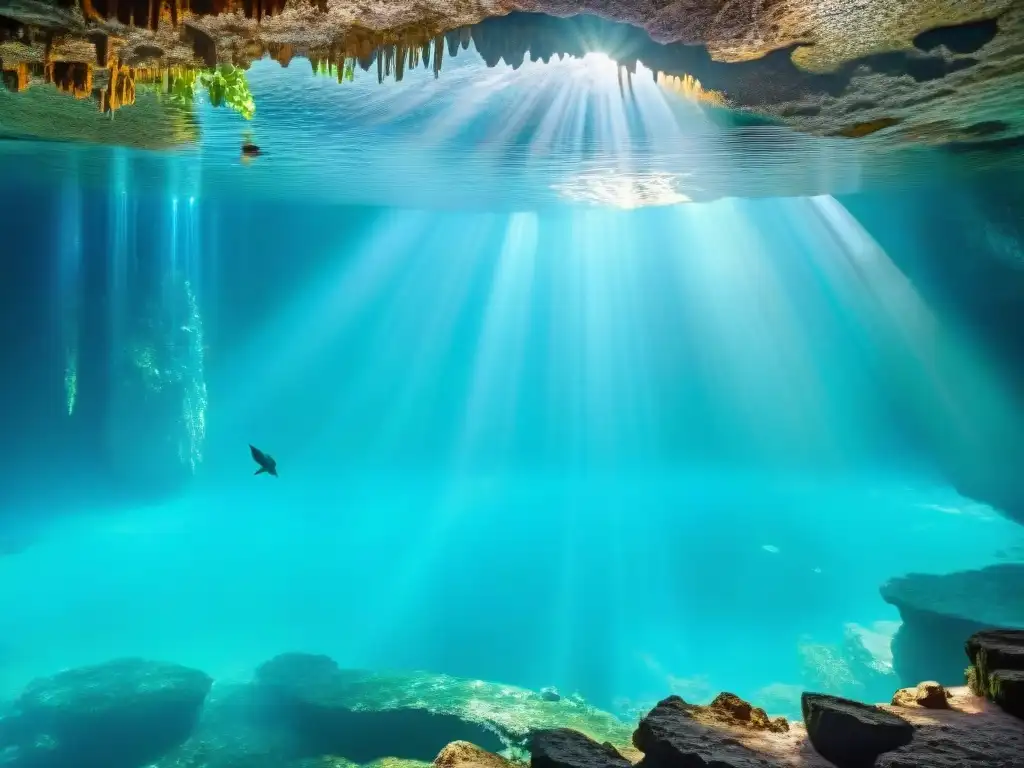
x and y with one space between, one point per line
121 714
938 612
462 754
850 734
929 695
997 657
356 713
671 735
565 748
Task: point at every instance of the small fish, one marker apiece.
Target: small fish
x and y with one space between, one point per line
265 460
770 548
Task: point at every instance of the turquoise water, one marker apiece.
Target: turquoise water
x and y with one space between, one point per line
523 439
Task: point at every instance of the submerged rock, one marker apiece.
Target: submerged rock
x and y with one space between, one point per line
676 733
850 734
121 714
358 713
938 612
462 754
997 659
565 748
929 695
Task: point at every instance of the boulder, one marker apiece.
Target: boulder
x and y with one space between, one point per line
676 733
357 713
972 732
929 695
565 748
939 611
122 714
462 754
997 660
850 734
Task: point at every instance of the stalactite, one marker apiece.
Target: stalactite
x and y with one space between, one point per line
438 55
400 56
15 76
70 77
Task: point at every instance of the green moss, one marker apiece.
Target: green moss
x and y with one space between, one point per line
225 86
971 677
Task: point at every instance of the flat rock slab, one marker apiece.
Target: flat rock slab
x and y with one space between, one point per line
850 734
938 612
989 596
122 714
366 715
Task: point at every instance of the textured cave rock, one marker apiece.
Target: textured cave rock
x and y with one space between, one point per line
918 73
997 660
929 695
850 734
565 748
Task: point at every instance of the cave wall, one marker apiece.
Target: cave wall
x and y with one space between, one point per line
962 246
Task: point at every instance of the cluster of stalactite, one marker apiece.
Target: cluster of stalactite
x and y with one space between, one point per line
510 39
150 13
391 58
689 87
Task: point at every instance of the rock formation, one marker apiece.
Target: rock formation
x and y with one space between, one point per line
929 695
303 711
938 611
122 714
932 73
997 668
566 748
850 734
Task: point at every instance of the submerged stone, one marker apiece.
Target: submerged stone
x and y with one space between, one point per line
121 714
565 748
850 734
930 695
462 754
676 733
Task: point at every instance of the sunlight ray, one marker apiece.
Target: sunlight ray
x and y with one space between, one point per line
497 363
955 388
434 336
325 310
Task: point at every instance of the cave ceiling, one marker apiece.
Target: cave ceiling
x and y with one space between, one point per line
893 72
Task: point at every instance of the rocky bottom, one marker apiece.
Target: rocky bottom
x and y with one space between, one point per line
304 711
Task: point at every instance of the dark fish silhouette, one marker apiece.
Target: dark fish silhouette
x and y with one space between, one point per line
265 460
